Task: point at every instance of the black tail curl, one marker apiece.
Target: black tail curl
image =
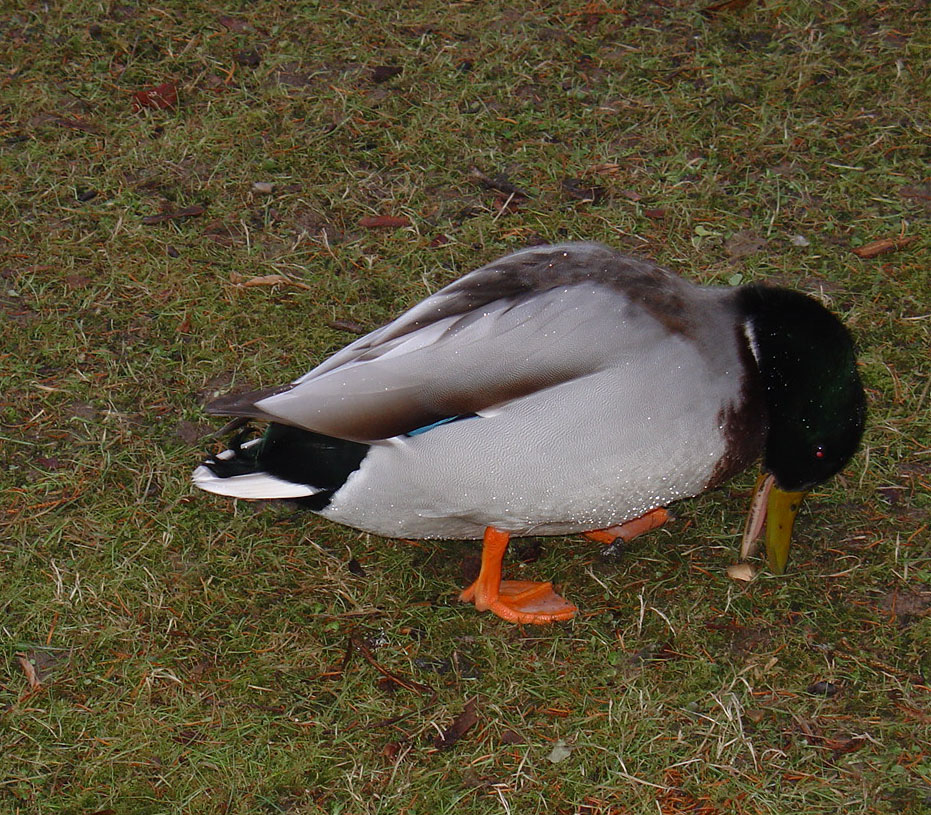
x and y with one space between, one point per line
242 462
293 454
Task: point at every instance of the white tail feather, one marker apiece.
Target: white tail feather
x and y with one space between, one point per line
251 485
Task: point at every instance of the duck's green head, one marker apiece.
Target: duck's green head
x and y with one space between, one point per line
815 401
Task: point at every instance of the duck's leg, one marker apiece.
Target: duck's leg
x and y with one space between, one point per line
517 601
629 530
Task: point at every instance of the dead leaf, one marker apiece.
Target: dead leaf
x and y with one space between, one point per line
606 168
892 495
249 58
499 183
267 280
384 73
741 571
658 652
384 221
83 410
187 212
504 204
655 214
214 84
75 124
883 246
576 188
76 280
823 688
907 605
920 193
223 233
743 244
233 23
347 325
294 79
460 726
161 97
191 433
847 745
728 5
29 669
914 713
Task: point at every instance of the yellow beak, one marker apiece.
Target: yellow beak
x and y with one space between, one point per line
781 510
778 508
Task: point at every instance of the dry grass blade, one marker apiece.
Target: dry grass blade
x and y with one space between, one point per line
350 326
883 246
32 676
174 215
407 684
498 183
267 280
384 221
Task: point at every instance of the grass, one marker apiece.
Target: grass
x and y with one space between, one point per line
197 655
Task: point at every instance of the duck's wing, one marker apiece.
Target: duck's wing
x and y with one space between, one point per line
530 321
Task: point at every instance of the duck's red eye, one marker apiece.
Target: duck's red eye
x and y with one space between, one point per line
819 452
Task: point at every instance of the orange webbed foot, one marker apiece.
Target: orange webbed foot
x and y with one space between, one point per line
629 530
522 601
517 601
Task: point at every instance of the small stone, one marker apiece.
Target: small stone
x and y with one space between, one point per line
560 752
823 688
384 73
799 240
250 58
263 188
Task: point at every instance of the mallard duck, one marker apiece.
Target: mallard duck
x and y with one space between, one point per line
561 389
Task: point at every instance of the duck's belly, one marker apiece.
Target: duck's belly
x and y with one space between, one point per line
585 455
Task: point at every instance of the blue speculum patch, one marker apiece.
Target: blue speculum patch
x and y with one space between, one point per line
427 427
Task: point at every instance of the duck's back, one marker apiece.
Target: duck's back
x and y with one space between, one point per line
586 388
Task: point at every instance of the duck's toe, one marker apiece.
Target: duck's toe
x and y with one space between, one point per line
522 601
